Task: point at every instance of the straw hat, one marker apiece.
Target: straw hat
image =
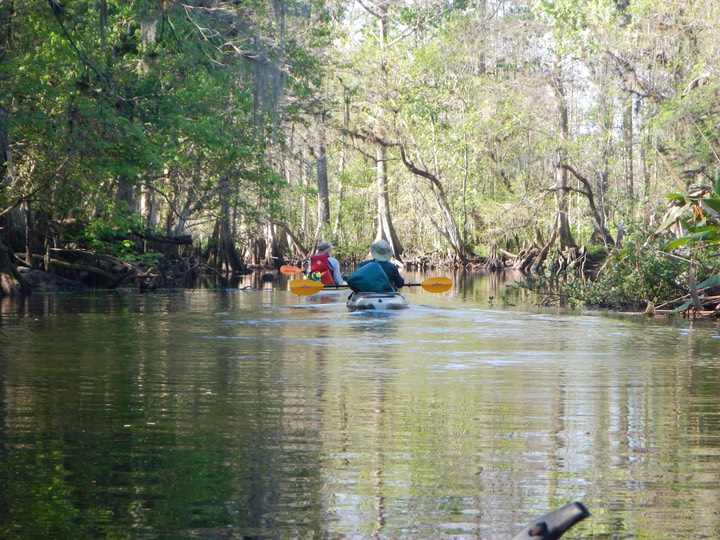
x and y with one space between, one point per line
381 251
323 247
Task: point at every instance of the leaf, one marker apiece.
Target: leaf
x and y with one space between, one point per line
702 229
686 240
702 235
710 282
672 217
678 242
711 206
682 308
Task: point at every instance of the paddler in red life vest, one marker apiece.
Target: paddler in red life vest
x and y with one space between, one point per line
323 267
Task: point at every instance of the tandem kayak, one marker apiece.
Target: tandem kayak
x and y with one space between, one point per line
359 301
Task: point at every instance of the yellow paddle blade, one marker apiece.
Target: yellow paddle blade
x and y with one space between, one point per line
437 284
289 270
305 287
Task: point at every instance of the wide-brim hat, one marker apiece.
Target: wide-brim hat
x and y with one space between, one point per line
323 247
381 251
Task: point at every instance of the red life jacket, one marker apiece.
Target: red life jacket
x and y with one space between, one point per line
320 263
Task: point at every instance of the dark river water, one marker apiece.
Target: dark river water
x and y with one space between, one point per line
261 414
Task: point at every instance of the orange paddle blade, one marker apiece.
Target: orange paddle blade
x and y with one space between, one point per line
305 287
437 284
289 270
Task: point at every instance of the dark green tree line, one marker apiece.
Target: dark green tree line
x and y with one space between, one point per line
159 110
464 128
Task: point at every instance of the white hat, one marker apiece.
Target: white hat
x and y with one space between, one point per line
381 251
323 247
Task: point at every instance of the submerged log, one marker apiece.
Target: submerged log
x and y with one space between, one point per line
45 282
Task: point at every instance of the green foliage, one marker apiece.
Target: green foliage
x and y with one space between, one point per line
111 233
651 267
176 99
713 281
635 274
150 99
147 259
596 253
698 214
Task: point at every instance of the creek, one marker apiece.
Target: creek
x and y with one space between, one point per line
261 414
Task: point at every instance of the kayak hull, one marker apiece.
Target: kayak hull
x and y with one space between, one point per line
377 301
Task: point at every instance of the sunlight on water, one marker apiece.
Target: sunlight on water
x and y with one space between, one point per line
263 414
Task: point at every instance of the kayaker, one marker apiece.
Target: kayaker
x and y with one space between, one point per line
381 253
323 267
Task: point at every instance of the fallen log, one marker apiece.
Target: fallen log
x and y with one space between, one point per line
75 266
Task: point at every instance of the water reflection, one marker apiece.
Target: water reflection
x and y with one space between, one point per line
261 414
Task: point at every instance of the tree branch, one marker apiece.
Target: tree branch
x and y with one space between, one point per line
421 172
600 226
27 196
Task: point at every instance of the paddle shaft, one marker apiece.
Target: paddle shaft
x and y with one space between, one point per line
292 270
346 286
307 287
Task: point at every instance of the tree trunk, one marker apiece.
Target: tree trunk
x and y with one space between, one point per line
385 228
561 199
323 200
336 230
601 230
341 168
12 226
494 261
542 256
148 207
561 187
102 6
225 256
606 127
11 282
305 210
628 146
276 245
125 195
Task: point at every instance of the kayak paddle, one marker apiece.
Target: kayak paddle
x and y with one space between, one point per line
434 284
289 270
307 287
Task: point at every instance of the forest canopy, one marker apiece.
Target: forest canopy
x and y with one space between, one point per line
500 133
